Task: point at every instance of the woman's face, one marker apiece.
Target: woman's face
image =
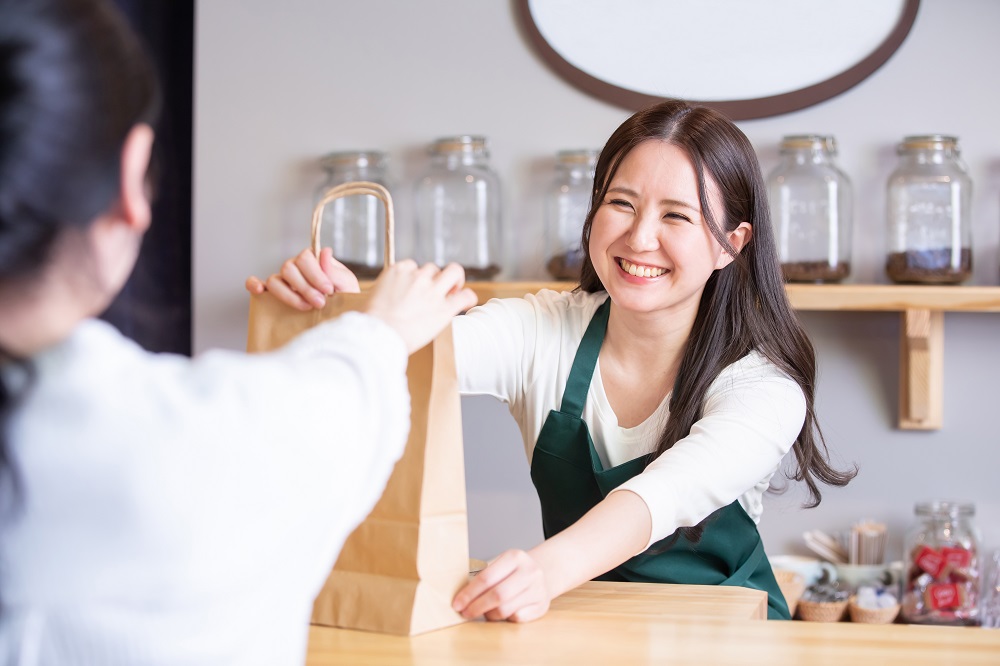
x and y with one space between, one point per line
650 243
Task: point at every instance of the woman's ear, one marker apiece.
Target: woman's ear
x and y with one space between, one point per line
738 237
134 205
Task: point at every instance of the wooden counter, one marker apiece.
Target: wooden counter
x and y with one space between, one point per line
611 624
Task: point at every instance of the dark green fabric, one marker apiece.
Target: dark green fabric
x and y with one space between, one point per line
570 480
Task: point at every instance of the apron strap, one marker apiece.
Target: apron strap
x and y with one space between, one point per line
582 372
743 573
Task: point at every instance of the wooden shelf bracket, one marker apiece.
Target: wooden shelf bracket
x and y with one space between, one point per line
921 370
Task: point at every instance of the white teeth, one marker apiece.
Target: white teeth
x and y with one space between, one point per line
641 271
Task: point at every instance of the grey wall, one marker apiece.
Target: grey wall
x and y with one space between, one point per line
279 84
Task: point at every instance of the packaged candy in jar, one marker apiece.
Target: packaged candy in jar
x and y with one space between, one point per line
942 581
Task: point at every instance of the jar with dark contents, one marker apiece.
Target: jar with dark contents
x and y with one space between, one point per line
567 203
811 202
942 556
458 208
354 227
929 213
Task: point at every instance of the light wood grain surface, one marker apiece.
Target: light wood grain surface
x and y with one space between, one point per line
658 600
825 297
687 627
828 297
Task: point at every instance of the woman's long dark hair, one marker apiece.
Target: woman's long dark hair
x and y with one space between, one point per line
74 80
744 306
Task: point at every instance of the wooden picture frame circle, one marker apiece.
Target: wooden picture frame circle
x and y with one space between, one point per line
737 109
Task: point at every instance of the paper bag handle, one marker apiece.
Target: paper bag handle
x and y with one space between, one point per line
349 189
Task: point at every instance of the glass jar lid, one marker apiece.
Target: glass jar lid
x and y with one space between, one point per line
944 509
460 144
360 158
809 142
928 142
580 156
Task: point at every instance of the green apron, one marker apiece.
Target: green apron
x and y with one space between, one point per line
570 480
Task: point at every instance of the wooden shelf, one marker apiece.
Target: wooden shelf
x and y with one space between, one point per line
921 348
893 298
820 297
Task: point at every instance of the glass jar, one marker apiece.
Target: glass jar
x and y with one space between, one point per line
458 208
942 552
355 225
811 203
929 211
567 203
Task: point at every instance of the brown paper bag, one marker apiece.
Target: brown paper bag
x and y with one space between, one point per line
399 570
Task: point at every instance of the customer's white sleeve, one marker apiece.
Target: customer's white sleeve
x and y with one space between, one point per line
749 423
321 451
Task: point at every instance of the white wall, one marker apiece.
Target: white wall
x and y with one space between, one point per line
280 83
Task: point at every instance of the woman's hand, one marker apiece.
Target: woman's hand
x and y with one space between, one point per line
419 302
305 281
511 588
519 585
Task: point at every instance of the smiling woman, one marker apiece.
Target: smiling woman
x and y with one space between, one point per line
748 60
658 399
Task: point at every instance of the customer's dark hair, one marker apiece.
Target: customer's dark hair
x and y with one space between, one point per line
74 80
744 306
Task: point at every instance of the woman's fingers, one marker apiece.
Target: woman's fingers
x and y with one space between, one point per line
495 571
529 612
502 600
522 608
306 279
280 289
451 278
448 282
426 276
311 269
463 300
254 285
512 587
408 294
340 276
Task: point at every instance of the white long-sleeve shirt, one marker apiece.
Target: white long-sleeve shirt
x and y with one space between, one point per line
521 351
178 511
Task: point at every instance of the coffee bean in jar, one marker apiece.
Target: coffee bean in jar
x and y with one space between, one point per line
936 266
458 208
810 200
929 213
355 224
567 202
566 266
815 271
